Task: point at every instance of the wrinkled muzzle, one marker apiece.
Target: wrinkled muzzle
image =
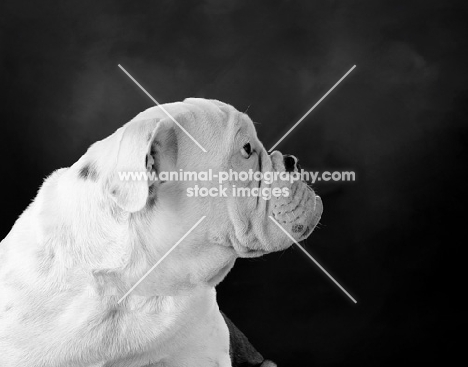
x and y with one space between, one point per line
300 212
297 213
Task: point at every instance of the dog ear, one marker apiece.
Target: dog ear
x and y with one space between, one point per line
143 147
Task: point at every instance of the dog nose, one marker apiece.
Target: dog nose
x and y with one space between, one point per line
290 162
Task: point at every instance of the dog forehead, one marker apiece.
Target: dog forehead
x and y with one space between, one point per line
212 117
225 114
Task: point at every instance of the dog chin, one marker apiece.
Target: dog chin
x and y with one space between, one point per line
244 251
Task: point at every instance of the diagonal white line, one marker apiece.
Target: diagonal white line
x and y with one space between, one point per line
315 261
161 107
315 105
161 259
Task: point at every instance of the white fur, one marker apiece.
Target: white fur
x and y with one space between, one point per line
84 242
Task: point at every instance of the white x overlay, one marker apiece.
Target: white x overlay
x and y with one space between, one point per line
201 219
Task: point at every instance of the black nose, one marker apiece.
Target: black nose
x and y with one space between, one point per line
290 162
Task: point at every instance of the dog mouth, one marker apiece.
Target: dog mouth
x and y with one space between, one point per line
304 230
298 215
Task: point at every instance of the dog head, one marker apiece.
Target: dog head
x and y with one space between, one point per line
242 215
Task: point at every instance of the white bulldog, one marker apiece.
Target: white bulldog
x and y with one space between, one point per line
89 236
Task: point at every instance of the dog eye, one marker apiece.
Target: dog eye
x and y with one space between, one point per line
246 150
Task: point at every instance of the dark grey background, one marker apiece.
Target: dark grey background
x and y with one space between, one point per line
395 238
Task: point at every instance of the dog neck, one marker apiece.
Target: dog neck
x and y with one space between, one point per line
113 249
